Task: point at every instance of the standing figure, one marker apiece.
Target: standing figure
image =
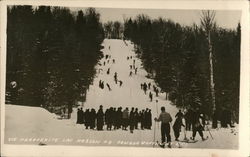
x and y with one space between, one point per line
177 127
145 88
132 120
135 71
197 125
100 118
165 119
87 118
92 118
78 116
113 60
125 119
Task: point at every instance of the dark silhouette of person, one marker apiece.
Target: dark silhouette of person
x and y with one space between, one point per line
177 127
100 118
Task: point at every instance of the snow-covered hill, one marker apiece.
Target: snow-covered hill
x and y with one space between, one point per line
31 125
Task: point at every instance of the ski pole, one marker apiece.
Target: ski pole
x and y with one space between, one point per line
209 132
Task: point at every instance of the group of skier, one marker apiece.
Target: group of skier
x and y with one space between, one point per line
115 118
165 118
147 86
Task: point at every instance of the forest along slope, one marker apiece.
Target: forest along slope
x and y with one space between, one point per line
128 95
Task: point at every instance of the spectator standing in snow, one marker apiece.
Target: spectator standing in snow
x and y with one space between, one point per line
125 119
100 118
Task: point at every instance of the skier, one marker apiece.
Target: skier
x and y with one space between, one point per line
165 119
120 82
104 63
149 85
108 86
106 56
150 96
130 66
134 62
197 125
115 77
135 71
130 74
108 71
113 60
145 88
141 86
131 120
156 92
127 57
125 119
177 127
179 114
109 47
100 118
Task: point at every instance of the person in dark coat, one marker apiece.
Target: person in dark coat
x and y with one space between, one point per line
125 119
149 119
131 120
149 85
81 116
177 127
92 119
100 118
142 119
78 116
87 118
119 117
136 114
108 86
108 119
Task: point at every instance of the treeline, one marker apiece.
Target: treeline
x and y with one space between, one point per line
113 30
177 58
51 54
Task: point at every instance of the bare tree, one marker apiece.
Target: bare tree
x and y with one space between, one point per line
207 23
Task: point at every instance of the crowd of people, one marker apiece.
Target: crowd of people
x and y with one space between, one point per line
115 118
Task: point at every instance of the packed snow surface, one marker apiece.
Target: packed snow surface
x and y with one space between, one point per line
35 125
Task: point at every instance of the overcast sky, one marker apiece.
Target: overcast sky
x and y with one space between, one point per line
225 19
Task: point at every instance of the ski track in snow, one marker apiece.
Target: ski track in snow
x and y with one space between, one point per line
34 122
